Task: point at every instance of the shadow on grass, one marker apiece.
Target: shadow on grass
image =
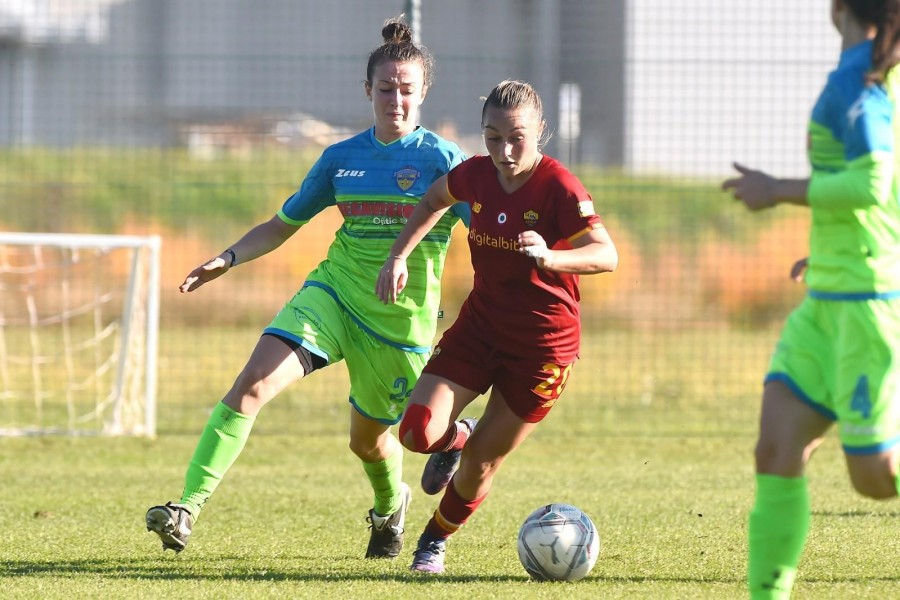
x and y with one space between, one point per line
855 513
167 570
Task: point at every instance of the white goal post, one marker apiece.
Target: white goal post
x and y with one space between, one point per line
79 323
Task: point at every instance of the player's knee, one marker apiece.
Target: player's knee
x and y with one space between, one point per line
412 428
364 449
876 490
873 475
765 455
786 458
247 396
878 485
253 382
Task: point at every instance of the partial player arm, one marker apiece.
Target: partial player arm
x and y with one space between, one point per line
393 275
260 240
867 181
867 178
798 270
315 194
759 190
591 252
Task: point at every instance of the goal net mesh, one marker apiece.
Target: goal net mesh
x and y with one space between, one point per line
78 323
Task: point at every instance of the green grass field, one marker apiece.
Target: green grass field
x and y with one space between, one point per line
656 452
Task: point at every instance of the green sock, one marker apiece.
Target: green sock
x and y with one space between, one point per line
779 524
385 477
220 444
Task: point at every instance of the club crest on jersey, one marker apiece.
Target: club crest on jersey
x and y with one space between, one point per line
531 218
406 177
476 207
585 208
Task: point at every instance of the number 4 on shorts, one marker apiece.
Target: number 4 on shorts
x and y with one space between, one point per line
861 401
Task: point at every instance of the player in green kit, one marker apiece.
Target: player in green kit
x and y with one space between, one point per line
375 179
838 359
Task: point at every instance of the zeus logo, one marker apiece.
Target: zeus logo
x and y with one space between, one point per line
349 173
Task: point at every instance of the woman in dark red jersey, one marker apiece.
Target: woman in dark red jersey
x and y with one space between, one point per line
533 231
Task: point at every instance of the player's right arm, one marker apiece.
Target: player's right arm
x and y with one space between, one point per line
315 194
257 242
393 275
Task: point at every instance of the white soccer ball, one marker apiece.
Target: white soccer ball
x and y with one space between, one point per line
558 542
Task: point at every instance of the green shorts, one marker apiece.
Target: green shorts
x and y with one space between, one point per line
381 375
842 358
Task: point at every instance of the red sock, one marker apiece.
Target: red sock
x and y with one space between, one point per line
452 513
453 439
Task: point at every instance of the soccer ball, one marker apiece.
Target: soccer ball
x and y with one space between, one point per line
558 542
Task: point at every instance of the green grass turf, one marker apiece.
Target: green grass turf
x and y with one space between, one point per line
655 449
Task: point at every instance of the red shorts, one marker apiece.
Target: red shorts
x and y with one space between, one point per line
530 386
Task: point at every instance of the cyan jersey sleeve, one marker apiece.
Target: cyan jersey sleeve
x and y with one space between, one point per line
868 124
316 193
461 209
457 158
866 131
464 212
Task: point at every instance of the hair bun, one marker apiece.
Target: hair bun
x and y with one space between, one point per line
396 31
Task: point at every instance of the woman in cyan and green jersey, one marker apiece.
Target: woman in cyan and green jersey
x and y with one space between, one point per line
838 359
375 179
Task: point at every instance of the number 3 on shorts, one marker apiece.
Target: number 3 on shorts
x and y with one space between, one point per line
553 385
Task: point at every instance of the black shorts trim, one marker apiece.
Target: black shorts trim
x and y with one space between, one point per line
309 361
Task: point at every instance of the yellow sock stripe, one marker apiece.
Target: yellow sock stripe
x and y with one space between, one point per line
444 524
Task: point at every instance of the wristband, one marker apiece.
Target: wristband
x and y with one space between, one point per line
233 257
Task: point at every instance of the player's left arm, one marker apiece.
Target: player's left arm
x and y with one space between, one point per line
868 179
593 251
394 274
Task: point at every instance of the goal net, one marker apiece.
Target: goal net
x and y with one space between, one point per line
79 316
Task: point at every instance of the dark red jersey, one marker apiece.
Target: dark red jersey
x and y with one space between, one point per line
521 309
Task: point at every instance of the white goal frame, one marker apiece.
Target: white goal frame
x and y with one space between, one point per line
144 262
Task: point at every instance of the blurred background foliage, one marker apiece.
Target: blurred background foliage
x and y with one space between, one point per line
688 252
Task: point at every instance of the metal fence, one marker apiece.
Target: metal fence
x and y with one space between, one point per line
193 119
